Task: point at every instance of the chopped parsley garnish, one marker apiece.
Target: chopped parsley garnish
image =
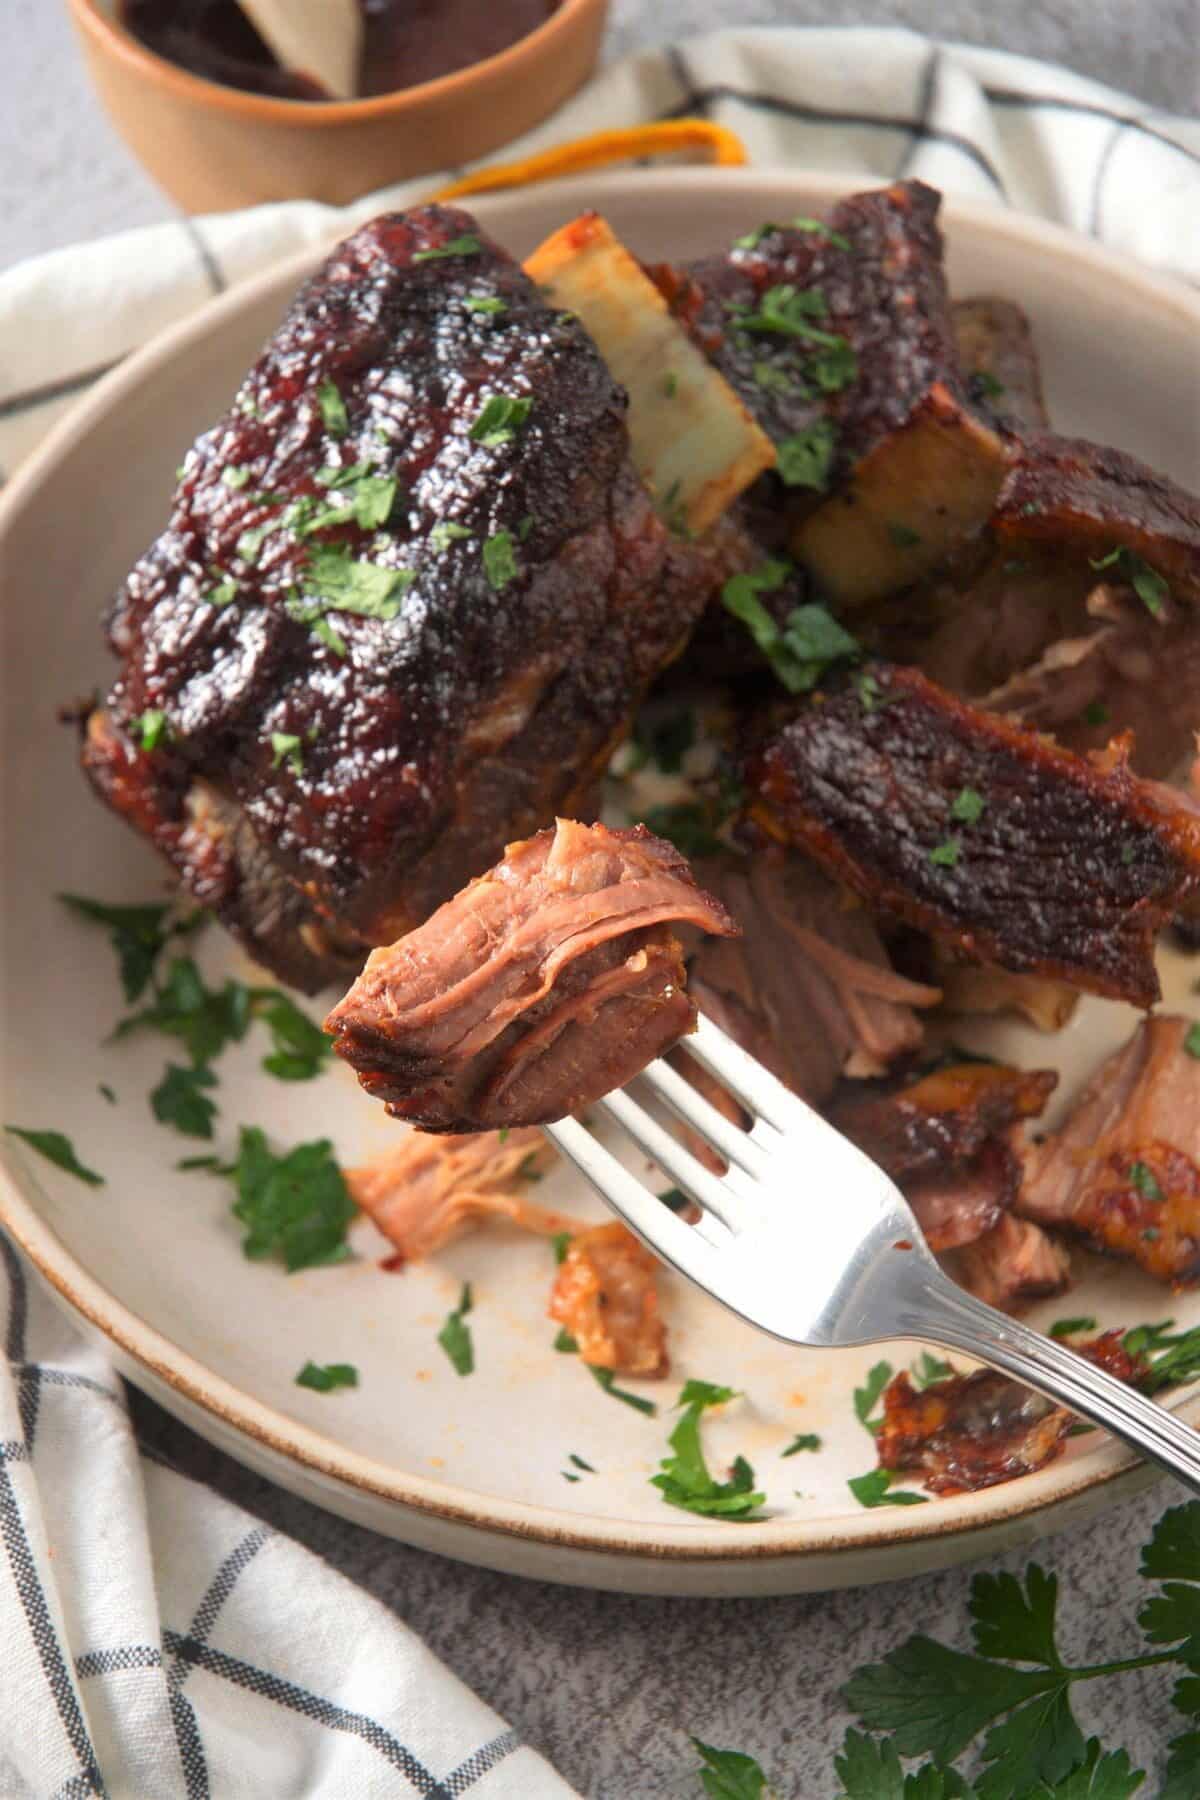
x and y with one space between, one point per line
204 1019
869 691
805 459
299 1048
446 532
866 1396
786 310
178 1100
455 1336
323 1378
565 1343
928 1369
875 1490
500 419
685 1480
295 1206
946 855
525 526
333 640
818 225
968 806
527 1169
102 1087
1096 713
499 561
833 368
371 498
670 386
1175 1356
903 536
250 543
235 477
674 1198
138 935
752 239
607 1381
485 303
731 1775
1141 1177
804 1440
560 1243
774 381
802 649
152 729
988 384
223 593
1064 1328
333 409
580 1463
1191 1042
56 1149
1147 583
286 746
344 584
466 245
341 475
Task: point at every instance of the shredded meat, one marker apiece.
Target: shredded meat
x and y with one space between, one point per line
963 1203
1124 1171
1012 1264
1068 870
543 985
983 988
429 1190
605 1297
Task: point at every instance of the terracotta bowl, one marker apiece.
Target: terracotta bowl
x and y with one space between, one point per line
214 148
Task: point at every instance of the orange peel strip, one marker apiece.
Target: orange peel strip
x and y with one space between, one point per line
716 144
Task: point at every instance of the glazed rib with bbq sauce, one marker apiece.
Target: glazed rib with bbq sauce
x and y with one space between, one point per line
409 595
540 987
983 835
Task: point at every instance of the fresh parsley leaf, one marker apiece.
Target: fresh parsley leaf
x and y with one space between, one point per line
607 1381
324 1378
581 1463
875 1489
987 383
485 303
500 419
946 854
1039 1742
204 1019
866 1396
138 935
1142 1177
773 380
250 543
333 408
1096 713
802 649
833 368
869 691
179 1101
342 475
295 1205
466 245
565 1343
235 478
785 310
936 1700
675 1199
56 1149
446 532
103 1088
1097 1777
929 1368
685 1480
670 384
299 1048
805 459
730 1774
223 593
345 584
369 503
1065 1328
1183 1768
804 1440
1147 583
969 805
753 239
152 729
1015 1621
903 536
560 1243
869 1768
822 230
455 1336
499 560
286 746
1191 1042
213 1163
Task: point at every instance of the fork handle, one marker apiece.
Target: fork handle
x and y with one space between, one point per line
949 1316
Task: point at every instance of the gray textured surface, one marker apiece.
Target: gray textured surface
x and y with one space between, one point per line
608 1687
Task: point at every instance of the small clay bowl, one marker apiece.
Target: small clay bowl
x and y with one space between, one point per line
214 148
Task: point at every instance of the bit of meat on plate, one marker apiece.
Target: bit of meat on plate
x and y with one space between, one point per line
606 1298
428 1190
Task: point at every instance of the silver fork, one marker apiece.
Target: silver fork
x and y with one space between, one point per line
808 1239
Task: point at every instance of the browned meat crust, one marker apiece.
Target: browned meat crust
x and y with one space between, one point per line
1124 1171
808 987
1013 1264
1069 870
481 688
547 982
605 1297
1097 500
999 361
940 1120
426 1191
968 1432
963 1204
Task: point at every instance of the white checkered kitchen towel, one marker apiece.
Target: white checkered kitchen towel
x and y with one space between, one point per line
153 1639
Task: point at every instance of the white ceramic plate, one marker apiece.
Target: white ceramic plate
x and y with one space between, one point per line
151 1262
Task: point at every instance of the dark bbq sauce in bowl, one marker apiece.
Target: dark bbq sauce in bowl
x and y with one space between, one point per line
405 42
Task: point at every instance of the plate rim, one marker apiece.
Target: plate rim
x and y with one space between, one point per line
1108 1471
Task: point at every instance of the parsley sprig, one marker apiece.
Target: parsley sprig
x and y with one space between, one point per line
1149 586
685 1480
805 646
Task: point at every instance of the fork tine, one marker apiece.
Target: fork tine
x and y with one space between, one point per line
734 1144
658 1227
755 1087
710 1191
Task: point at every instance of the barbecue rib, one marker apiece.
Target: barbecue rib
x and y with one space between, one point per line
967 827
409 595
547 982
